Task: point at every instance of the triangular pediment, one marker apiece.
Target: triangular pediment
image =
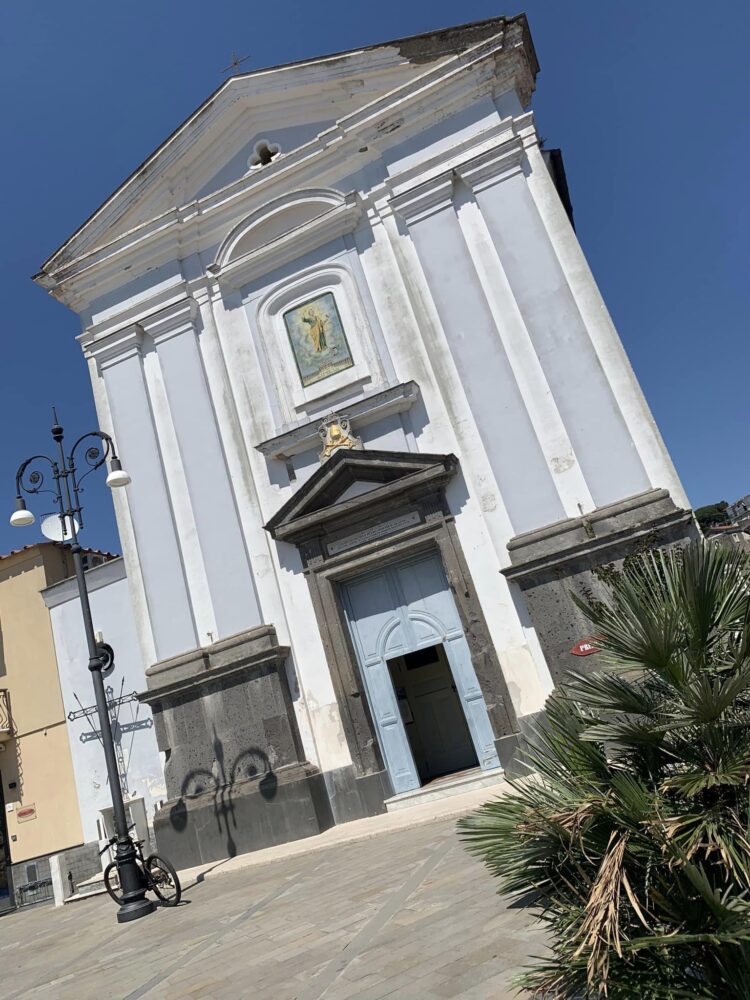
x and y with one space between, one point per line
285 106
351 482
288 107
218 157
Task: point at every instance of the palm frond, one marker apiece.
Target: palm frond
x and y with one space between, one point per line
632 839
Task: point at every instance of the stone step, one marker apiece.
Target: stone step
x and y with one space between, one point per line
442 788
93 886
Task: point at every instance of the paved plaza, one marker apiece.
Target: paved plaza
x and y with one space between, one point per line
405 914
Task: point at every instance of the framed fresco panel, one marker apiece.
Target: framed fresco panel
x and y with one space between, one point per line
318 341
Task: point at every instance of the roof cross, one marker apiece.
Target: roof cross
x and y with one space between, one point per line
234 62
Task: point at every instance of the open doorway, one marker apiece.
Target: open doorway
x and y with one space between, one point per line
431 711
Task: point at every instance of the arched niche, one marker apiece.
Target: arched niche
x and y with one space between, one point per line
264 238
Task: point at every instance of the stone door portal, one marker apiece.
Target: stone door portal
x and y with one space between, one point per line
396 611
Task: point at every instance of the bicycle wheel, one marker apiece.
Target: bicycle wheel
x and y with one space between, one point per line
163 879
112 882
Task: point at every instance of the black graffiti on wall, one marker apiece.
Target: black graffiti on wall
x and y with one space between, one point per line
220 781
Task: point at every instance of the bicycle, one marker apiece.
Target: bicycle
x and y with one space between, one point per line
159 874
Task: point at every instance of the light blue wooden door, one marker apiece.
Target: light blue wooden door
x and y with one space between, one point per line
398 610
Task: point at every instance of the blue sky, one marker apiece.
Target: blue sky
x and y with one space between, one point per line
647 100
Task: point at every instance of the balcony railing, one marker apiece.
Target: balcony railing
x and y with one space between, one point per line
6 719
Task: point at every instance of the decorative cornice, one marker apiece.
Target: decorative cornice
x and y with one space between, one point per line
133 312
118 345
397 399
172 321
493 166
493 155
309 236
425 200
121 345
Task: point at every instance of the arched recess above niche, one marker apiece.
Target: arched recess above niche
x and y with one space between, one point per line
282 230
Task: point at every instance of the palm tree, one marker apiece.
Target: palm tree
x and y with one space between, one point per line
631 836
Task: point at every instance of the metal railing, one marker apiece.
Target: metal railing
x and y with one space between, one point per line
6 719
34 892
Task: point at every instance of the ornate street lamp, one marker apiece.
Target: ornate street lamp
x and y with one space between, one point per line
66 489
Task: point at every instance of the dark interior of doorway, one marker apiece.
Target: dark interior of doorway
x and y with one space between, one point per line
432 714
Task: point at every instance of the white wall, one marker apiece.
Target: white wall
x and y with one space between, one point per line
113 616
458 270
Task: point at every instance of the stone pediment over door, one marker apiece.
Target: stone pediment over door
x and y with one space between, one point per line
370 490
358 514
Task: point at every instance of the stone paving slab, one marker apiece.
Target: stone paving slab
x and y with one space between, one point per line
408 914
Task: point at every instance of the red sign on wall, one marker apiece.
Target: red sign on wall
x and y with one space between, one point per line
25 814
584 647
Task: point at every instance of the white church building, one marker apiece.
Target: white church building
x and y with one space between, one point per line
379 426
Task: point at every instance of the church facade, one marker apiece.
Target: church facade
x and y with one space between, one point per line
379 426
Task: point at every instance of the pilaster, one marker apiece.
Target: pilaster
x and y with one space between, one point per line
235 448
120 360
601 330
212 539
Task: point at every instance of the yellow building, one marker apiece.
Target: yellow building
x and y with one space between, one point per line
38 798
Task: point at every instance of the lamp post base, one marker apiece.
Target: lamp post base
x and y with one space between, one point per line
133 882
134 909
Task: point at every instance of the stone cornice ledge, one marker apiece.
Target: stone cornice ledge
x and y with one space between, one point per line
134 312
117 345
257 648
397 399
177 318
424 200
493 166
497 155
592 537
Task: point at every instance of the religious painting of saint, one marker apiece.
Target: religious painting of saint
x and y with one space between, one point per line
318 339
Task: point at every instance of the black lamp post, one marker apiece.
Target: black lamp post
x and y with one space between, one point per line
65 490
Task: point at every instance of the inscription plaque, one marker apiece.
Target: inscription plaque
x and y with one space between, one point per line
371 534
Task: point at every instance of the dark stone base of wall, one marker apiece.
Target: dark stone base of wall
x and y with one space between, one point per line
355 796
576 556
236 776
292 803
288 804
